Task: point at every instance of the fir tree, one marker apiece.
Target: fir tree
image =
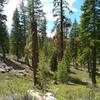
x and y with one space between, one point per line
73 41
23 23
36 14
90 27
64 67
17 36
60 7
53 62
4 37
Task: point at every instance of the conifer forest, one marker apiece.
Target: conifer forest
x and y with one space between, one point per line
49 49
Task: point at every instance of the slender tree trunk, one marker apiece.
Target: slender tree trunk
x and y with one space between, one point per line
94 47
34 51
3 52
89 65
94 66
34 46
61 33
26 59
17 53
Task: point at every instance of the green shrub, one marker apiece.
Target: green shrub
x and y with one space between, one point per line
53 62
43 71
64 67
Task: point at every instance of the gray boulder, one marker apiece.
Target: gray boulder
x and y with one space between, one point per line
32 95
3 65
49 96
4 68
22 72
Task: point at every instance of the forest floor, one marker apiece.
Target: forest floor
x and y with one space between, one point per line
76 89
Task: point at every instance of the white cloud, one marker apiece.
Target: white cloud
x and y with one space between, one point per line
48 10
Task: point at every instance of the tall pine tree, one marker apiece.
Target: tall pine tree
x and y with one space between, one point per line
17 36
23 22
73 41
90 27
60 7
36 16
4 37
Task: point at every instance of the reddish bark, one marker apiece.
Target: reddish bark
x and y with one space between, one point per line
34 50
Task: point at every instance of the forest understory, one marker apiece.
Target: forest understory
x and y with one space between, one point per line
50 50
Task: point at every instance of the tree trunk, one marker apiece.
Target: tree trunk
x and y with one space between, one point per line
26 59
34 45
61 34
89 65
17 53
94 66
34 50
3 52
94 47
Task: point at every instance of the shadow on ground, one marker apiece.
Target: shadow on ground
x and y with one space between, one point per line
72 81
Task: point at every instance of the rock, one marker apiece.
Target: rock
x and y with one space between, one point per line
2 70
3 65
13 97
5 68
27 71
49 96
22 72
32 95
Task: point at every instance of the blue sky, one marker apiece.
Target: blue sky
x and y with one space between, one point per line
75 5
48 6
76 15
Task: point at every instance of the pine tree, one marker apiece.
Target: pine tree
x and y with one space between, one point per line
59 10
73 41
43 73
4 37
90 27
64 66
43 40
17 36
34 43
43 32
23 23
36 16
39 15
53 62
